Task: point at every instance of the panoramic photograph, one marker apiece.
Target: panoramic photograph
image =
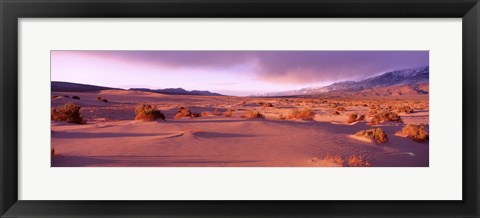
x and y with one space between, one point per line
229 108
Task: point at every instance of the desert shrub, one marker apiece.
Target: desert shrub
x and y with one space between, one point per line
304 114
361 117
253 115
357 161
415 132
205 114
229 112
148 113
282 117
339 161
352 118
385 115
99 98
66 96
334 160
390 116
375 121
76 97
372 112
68 112
340 108
55 96
335 113
376 135
404 109
268 104
105 100
184 112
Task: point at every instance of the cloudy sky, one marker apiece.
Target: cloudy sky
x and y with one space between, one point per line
227 72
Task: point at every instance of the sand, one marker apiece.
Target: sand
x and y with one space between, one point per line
112 138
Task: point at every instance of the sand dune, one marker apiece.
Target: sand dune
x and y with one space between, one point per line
111 137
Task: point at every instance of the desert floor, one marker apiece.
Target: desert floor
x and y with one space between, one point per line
111 136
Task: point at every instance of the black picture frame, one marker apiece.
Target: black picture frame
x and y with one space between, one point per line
12 10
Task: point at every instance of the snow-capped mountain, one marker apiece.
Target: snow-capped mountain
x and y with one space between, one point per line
401 78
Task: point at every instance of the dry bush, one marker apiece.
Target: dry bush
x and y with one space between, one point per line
184 112
340 108
55 96
282 117
372 112
361 117
385 115
68 112
415 132
105 100
268 104
205 114
390 116
99 98
304 114
404 109
376 135
66 96
352 118
335 113
335 160
350 161
229 112
148 113
357 161
375 121
253 115
76 97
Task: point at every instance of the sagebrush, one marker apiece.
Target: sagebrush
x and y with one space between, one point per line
68 112
415 132
147 112
304 114
376 135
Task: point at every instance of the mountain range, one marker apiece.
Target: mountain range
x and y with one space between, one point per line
394 83
177 91
400 82
57 86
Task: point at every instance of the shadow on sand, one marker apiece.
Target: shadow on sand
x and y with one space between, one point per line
140 161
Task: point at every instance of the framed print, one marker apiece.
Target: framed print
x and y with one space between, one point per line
227 108
247 109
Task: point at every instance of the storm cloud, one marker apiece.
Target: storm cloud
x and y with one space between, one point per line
284 67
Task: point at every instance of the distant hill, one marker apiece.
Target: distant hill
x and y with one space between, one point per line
400 82
76 87
177 91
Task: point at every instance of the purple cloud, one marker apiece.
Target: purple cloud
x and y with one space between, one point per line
285 67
